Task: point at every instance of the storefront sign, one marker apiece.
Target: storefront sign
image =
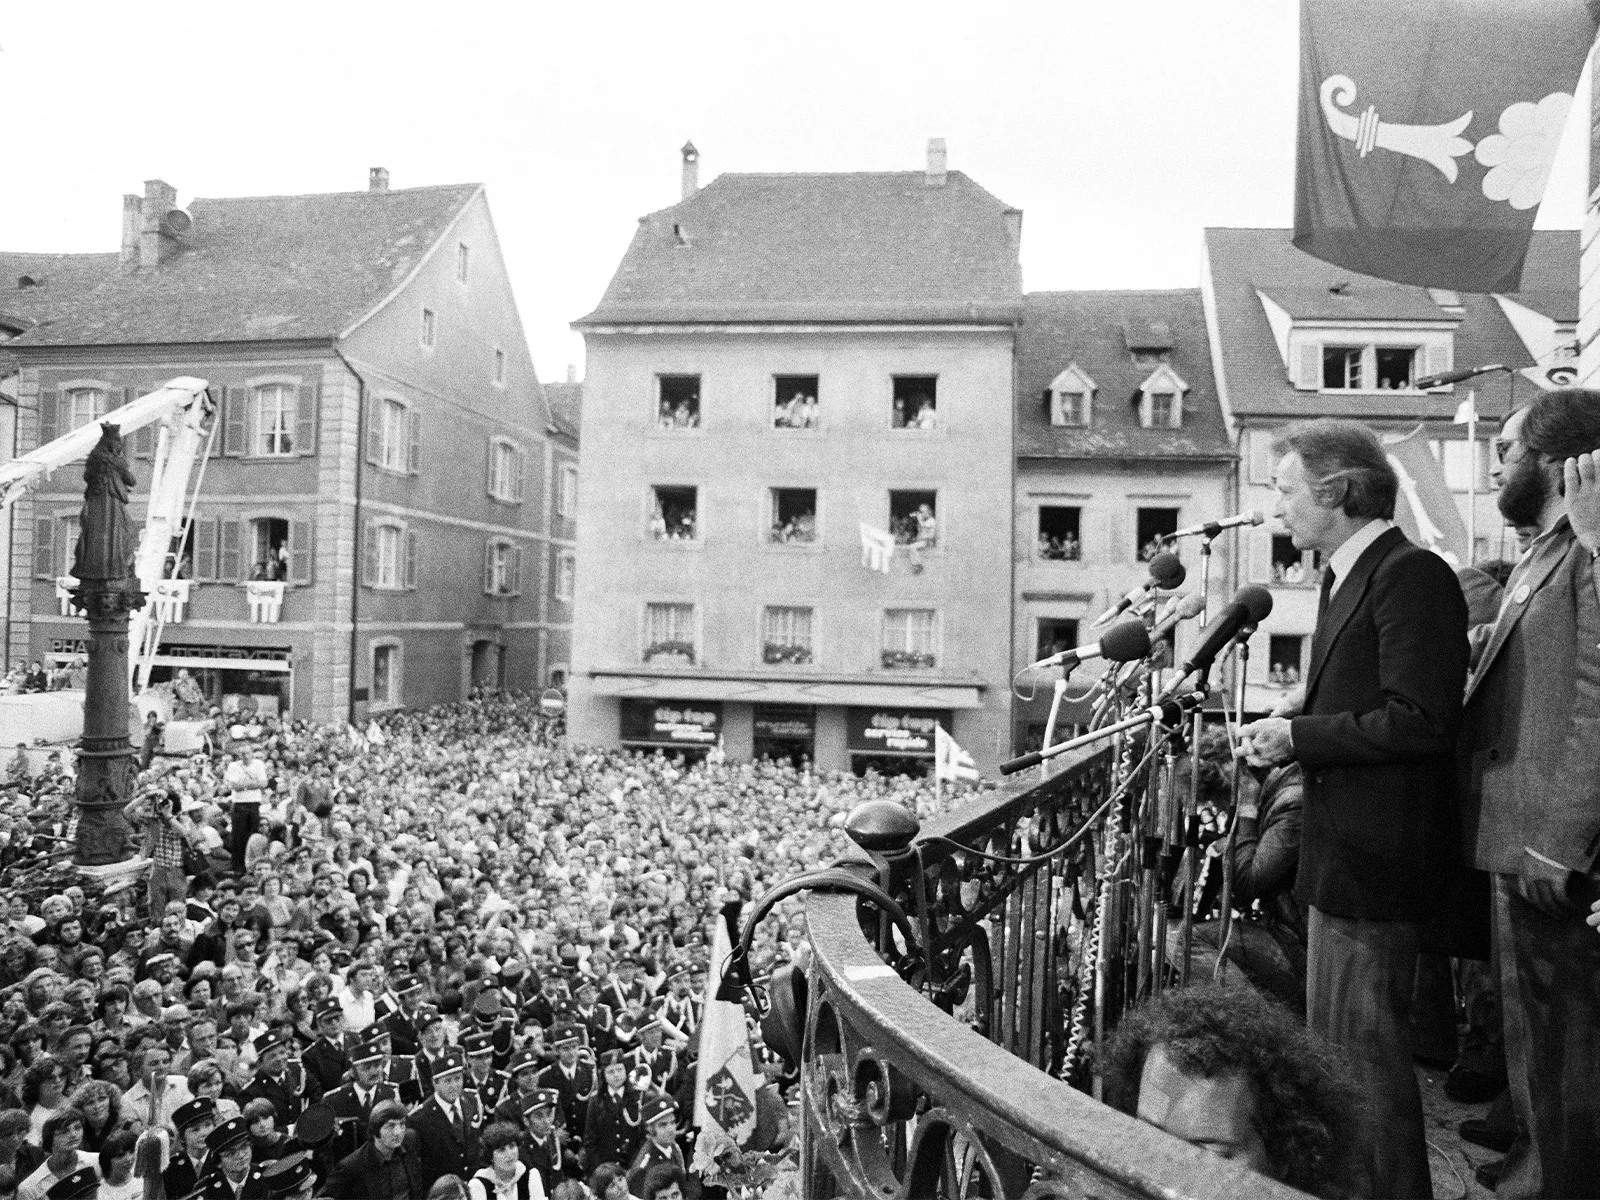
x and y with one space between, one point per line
671 722
792 722
894 731
181 650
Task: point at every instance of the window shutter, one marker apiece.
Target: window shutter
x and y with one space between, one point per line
305 425
1308 367
1259 550
488 470
414 445
488 567
205 549
411 559
300 543
1260 456
1436 361
233 416
519 479
375 432
369 553
44 547
228 558
49 417
516 570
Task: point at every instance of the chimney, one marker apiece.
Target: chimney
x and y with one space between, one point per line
572 372
132 223
155 241
691 170
936 159
378 179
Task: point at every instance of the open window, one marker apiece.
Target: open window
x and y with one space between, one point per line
1396 367
678 401
794 402
502 567
916 402
386 674
1060 536
1069 396
674 514
269 548
1161 399
1341 368
1283 659
1153 526
794 516
1055 635
914 517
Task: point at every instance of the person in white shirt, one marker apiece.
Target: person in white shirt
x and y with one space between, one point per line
359 998
63 1141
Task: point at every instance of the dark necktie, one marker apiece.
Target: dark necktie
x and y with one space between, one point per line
1326 592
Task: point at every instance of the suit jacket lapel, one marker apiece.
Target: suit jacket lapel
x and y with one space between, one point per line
1530 582
1344 603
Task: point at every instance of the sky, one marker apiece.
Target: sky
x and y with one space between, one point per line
1121 130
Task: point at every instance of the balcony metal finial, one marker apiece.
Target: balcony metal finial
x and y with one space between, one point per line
882 827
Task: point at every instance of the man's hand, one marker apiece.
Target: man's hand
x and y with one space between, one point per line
1267 742
1292 704
1546 884
1582 480
1594 915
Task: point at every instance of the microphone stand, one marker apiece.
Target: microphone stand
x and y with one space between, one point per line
1191 808
1240 661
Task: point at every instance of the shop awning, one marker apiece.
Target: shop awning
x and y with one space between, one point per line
791 691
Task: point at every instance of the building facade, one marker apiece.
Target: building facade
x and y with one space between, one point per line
783 368
373 526
1119 440
1295 338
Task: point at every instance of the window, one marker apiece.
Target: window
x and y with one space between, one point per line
785 635
1291 566
567 496
385 674
502 568
392 441
499 367
913 518
1283 659
463 261
1341 368
916 402
674 514
269 548
1163 410
430 329
908 638
794 402
669 632
1161 399
86 405
1153 525
389 557
1055 635
794 516
678 401
566 575
274 409
1060 539
54 539
1396 366
1068 397
505 471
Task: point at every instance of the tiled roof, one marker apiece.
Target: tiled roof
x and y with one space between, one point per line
256 268
882 246
566 405
1088 328
1363 301
1243 260
57 279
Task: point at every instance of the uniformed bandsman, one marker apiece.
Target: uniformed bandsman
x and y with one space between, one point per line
572 1079
187 1163
230 1175
353 1102
660 1144
447 1123
482 1079
290 1178
287 1084
431 1031
544 1145
82 1184
524 1073
325 1058
611 1127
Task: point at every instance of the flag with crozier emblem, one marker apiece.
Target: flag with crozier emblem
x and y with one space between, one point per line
725 1079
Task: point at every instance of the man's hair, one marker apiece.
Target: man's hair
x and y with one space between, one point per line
501 1133
1563 424
1345 465
660 1177
14 1121
62 1118
1303 1105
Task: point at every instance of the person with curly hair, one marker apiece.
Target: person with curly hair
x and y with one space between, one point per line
1230 1071
101 1105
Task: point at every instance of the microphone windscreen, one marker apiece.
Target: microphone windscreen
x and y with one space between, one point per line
1125 642
1257 601
1167 571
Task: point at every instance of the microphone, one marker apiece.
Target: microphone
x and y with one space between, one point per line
1433 381
1121 643
1249 607
1166 573
1211 528
1185 608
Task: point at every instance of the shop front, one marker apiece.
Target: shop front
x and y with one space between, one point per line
893 741
686 727
238 680
785 732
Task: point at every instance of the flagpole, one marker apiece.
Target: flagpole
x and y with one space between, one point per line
1472 476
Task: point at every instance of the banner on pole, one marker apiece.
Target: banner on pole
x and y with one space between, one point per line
725 1079
1426 508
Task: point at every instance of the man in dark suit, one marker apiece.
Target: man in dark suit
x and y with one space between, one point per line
1530 775
1375 738
401 1022
543 1145
447 1133
325 1059
431 1031
353 1103
659 1146
571 1079
388 1164
287 1085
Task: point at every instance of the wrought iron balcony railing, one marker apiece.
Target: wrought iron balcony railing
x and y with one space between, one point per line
930 1069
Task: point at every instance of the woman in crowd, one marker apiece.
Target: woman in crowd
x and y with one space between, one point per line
100 1103
44 1093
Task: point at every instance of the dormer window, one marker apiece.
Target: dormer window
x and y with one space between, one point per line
1070 397
1357 365
1161 399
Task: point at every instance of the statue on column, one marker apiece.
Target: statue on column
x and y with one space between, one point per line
108 591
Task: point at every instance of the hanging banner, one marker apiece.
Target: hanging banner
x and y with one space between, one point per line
1427 131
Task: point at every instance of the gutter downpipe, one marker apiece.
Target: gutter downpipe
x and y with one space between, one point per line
355 564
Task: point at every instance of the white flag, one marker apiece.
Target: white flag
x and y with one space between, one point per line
950 761
725 1080
877 548
1466 411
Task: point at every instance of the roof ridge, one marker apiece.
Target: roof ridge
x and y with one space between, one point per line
431 187
1184 291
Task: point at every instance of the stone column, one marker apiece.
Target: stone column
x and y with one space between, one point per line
108 591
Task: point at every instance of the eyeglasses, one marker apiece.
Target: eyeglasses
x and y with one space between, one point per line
1502 448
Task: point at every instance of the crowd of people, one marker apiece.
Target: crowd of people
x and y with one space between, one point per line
33 676
451 954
